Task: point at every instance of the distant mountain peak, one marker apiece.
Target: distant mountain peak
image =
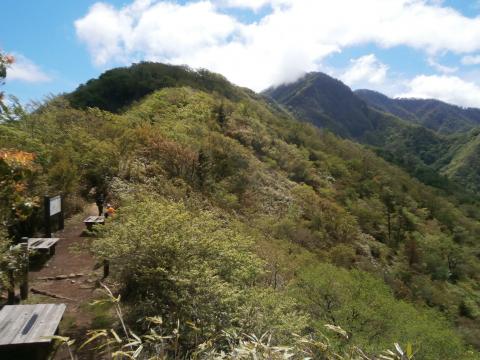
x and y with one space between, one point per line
432 113
326 102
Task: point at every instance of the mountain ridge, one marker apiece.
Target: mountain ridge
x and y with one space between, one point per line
307 228
432 113
312 97
395 131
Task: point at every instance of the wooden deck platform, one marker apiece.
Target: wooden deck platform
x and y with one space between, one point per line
25 331
29 324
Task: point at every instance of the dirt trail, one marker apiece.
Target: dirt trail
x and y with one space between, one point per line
73 260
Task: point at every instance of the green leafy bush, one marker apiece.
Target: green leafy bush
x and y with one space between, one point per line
373 319
191 266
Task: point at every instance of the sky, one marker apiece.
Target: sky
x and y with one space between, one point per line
403 48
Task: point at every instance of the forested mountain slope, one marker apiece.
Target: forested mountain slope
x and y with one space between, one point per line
327 103
433 114
397 129
236 217
115 89
462 162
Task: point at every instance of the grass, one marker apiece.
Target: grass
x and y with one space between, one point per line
68 323
102 314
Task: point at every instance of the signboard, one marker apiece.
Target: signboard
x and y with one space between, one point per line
52 206
55 205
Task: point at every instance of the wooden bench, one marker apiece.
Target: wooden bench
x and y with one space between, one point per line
93 220
43 245
25 330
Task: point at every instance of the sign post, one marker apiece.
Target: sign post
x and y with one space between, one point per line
11 287
61 220
25 266
46 207
53 206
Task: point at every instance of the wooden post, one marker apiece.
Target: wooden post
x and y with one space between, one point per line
11 288
25 266
106 268
61 219
46 209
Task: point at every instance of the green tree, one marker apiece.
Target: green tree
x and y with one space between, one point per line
191 266
366 309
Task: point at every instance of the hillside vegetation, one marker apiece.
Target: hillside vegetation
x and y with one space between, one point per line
433 114
236 217
421 136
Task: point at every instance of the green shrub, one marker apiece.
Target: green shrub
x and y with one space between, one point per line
191 266
365 307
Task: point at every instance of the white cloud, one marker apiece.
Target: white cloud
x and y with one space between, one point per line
23 69
441 68
471 60
450 89
153 30
251 4
292 39
365 70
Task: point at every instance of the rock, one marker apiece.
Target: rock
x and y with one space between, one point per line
79 275
43 278
72 275
61 277
90 281
72 281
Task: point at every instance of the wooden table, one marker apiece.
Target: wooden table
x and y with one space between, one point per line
24 330
43 244
93 220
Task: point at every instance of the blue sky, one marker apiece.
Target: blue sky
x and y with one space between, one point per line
44 32
407 48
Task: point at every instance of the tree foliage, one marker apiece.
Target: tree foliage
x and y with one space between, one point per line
228 203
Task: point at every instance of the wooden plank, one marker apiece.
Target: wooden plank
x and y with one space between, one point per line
33 241
47 323
44 243
5 324
16 318
94 219
3 316
42 323
31 325
20 319
51 324
28 324
37 332
30 240
39 243
48 244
